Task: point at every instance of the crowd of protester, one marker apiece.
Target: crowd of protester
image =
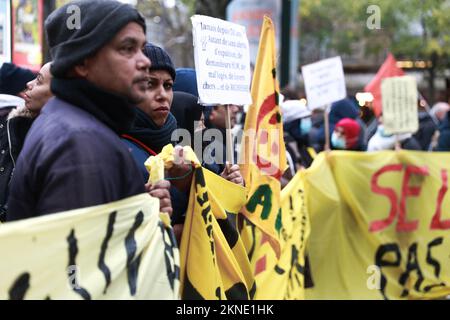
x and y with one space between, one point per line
355 128
77 133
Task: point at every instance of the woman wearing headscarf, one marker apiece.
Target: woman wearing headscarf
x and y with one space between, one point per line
154 124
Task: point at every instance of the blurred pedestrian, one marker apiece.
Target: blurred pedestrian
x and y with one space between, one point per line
346 135
18 124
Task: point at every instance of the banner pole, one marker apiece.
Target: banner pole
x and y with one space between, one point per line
229 136
327 129
398 147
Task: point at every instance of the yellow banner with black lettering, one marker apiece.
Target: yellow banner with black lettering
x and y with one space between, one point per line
380 225
122 250
214 263
283 278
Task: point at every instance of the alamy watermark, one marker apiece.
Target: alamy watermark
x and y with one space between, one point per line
73 273
73 22
209 146
374 280
374 20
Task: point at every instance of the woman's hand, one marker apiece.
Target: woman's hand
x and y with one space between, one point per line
233 173
161 191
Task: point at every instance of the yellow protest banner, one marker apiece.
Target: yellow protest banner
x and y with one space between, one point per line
380 225
283 278
121 250
263 156
214 263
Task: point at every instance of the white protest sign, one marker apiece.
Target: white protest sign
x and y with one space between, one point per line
324 82
222 61
399 101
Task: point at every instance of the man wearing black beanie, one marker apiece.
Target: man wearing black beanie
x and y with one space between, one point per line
73 156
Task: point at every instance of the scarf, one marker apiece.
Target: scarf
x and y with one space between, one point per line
115 111
146 131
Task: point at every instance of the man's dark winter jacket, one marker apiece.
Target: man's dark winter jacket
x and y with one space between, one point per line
444 137
71 159
426 130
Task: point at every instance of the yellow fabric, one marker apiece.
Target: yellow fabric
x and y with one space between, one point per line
347 196
214 264
263 156
283 278
170 155
312 152
121 250
213 267
157 174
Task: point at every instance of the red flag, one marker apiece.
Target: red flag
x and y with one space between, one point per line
388 69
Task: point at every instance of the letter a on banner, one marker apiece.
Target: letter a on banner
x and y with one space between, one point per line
263 160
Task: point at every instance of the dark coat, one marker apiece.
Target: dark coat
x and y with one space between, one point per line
70 160
444 137
292 132
12 137
426 130
187 111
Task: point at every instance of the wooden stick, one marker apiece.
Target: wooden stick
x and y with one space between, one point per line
398 146
229 137
327 129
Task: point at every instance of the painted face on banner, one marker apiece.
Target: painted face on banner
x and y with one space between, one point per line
267 146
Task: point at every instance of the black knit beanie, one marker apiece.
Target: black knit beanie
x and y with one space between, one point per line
100 21
159 59
13 79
